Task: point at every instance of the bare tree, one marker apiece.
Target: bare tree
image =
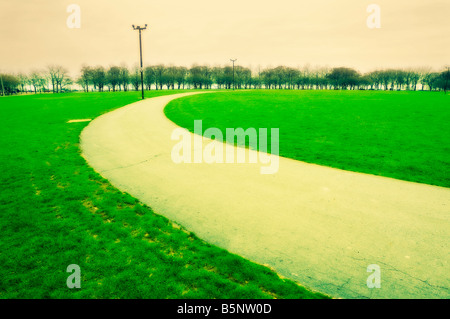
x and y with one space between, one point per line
113 77
98 77
86 78
135 78
124 78
36 80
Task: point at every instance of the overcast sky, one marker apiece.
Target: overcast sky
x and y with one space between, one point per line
414 33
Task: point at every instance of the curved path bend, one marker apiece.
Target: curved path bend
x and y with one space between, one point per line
319 226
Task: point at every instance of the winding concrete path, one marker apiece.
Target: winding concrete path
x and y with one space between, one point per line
316 225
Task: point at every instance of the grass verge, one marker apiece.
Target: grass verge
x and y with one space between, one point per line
55 210
403 135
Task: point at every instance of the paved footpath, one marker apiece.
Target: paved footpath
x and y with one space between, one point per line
316 225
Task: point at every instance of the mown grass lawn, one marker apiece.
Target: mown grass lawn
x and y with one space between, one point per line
403 135
55 211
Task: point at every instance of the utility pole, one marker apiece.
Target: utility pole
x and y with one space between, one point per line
3 88
259 77
447 75
140 46
233 70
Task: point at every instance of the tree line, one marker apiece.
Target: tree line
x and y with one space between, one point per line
56 79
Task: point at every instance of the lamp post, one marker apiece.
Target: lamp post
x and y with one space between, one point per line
140 47
3 88
233 71
447 75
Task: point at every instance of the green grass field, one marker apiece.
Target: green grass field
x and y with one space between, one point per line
403 135
55 211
